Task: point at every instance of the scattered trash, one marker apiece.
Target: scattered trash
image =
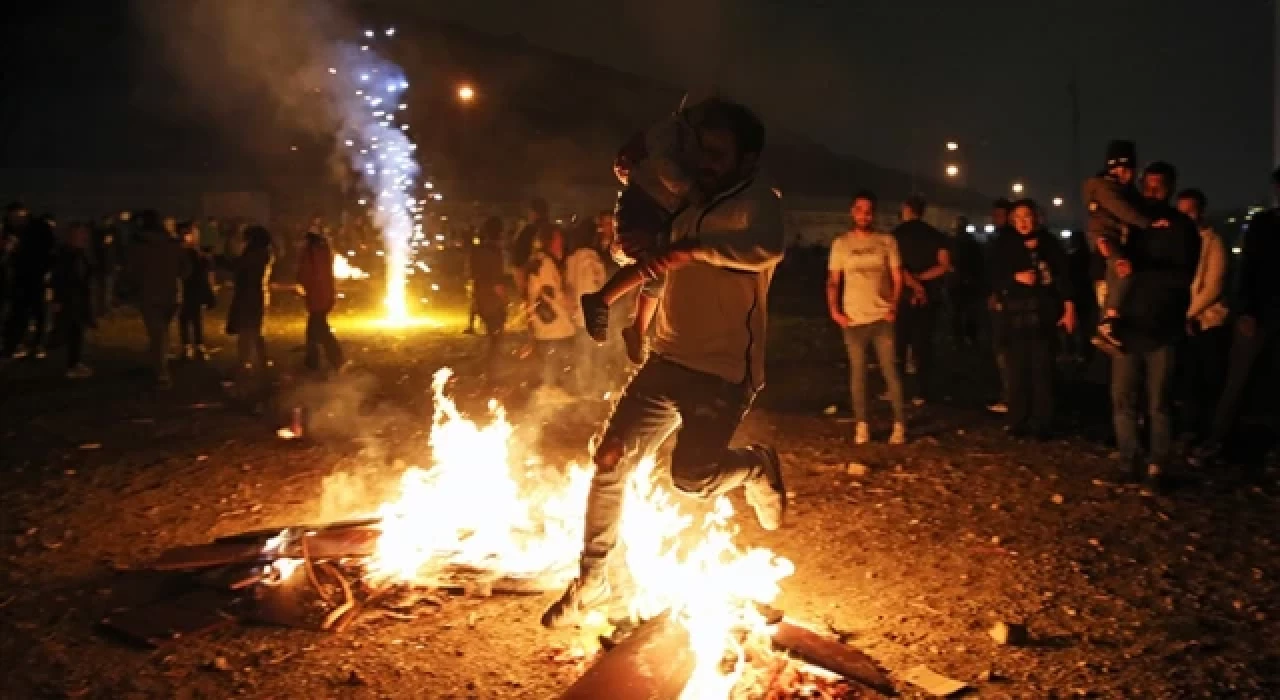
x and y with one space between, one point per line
1058 499
1011 634
830 410
933 682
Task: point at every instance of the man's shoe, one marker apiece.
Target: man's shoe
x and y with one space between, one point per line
998 407
41 353
20 353
595 316
899 434
588 591
766 493
861 433
637 345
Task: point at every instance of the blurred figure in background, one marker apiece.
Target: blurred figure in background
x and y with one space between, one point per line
925 259
999 330
156 267
72 282
967 289
251 271
315 276
32 242
1204 367
106 267
489 289
198 294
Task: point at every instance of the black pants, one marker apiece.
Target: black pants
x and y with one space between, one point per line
661 398
191 324
28 306
1204 372
915 332
74 330
320 338
1031 378
156 319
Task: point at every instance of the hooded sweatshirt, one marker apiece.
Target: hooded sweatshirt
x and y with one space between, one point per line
713 311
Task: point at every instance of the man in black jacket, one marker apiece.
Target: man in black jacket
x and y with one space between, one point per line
31 259
926 258
1161 263
1258 316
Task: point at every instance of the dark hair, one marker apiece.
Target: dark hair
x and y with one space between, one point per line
1197 196
257 237
747 128
1003 203
1027 202
867 195
539 207
1165 171
916 204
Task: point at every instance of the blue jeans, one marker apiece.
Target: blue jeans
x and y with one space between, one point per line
1128 371
880 333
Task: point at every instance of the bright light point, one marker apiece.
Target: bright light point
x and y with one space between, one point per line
440 236
368 33
437 196
1017 188
953 170
989 228
435 287
429 185
1057 201
293 148
971 228
1237 250
1066 233
349 142
364 48
364 76
391 31
952 146
333 71
466 93
362 202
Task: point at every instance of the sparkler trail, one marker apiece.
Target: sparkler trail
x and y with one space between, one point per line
376 135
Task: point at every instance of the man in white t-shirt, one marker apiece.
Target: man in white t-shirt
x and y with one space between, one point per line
866 263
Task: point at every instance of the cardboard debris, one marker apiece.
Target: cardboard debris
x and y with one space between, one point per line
934 683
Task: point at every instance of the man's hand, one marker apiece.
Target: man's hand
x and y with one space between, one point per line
1124 268
839 317
1160 223
1247 326
1068 320
1026 277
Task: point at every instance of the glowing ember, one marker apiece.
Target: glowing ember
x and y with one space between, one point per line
478 505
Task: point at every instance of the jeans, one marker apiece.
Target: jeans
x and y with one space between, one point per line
156 319
191 324
320 337
1000 347
1030 370
1127 372
915 333
1244 354
663 398
1116 289
880 334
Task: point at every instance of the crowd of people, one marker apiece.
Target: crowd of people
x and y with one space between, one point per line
57 282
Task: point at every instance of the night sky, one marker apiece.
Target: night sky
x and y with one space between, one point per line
891 82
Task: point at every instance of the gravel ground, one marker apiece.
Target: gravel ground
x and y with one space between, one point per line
914 552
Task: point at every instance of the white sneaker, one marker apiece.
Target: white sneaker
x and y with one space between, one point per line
899 435
20 353
861 434
41 353
80 371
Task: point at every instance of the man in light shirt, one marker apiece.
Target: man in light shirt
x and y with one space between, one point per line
866 264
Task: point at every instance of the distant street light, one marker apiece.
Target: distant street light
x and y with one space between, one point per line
1057 201
953 146
466 93
953 170
1017 188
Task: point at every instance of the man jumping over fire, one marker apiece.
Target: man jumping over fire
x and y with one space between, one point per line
707 363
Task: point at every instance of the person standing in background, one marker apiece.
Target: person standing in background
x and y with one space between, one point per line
197 294
551 311
925 259
999 330
252 274
489 290
315 276
33 243
72 282
1204 364
866 264
156 268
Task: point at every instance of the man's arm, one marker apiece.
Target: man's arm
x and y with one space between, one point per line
1110 197
833 298
939 268
754 247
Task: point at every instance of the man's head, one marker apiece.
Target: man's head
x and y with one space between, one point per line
1159 181
863 210
913 208
730 139
1122 159
1000 212
538 210
1026 216
1192 202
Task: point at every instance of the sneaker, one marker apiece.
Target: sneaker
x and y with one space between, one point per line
595 316
588 591
917 401
899 435
20 353
861 433
80 371
998 407
41 353
637 345
766 493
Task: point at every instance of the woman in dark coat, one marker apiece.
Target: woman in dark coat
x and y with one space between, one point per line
251 272
1030 273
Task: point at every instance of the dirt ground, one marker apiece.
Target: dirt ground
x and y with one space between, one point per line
915 554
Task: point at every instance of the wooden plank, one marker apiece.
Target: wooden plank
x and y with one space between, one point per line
831 654
266 533
652 663
203 556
